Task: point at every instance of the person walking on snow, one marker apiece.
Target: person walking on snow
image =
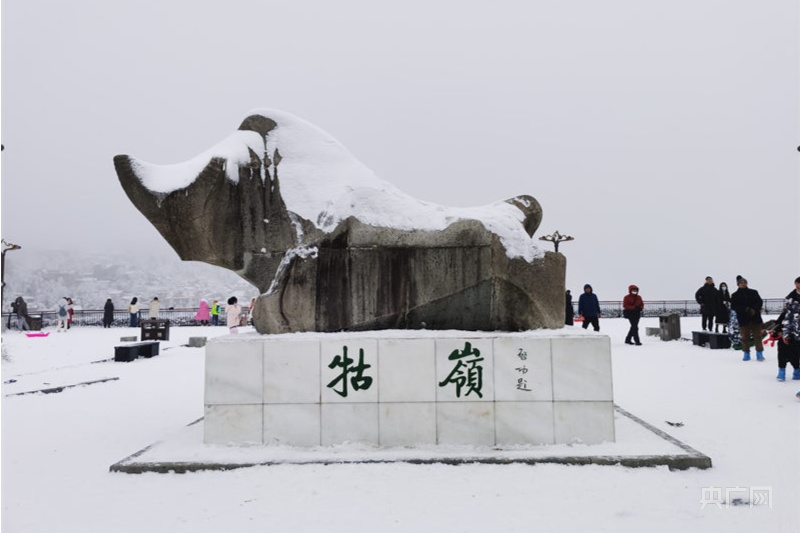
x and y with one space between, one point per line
747 304
707 296
632 306
589 308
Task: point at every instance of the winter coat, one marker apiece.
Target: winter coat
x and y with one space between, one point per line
632 304
202 313
723 314
588 306
155 307
22 308
790 321
134 308
747 304
232 313
569 311
708 298
108 312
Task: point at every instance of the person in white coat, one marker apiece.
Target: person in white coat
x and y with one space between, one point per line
232 313
155 308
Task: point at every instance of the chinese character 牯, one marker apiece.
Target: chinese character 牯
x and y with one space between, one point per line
358 381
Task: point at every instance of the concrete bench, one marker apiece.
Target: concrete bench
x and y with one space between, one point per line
129 352
715 341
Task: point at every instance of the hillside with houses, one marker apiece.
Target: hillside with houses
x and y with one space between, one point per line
41 277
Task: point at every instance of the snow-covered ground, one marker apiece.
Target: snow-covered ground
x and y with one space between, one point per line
57 448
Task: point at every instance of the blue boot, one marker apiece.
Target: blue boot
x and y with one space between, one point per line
760 356
781 374
746 356
796 373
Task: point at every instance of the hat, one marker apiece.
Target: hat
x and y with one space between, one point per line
632 288
587 286
740 279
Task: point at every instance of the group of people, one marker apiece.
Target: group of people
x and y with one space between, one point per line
64 313
715 304
209 314
205 315
739 314
589 311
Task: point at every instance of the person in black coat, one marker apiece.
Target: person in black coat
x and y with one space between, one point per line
108 314
569 315
747 303
707 296
723 308
22 314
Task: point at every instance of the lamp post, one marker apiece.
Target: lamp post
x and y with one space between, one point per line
556 238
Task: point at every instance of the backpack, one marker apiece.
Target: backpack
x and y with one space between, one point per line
62 311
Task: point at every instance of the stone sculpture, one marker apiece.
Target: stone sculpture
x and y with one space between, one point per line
331 247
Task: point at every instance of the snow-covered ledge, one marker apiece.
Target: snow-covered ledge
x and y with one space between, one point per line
402 388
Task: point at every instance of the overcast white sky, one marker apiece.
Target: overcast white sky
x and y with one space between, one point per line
662 136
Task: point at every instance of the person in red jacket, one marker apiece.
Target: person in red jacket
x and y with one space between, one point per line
632 306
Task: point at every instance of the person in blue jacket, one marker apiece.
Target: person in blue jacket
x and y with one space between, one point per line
589 308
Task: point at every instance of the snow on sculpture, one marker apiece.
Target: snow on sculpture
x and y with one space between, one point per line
333 247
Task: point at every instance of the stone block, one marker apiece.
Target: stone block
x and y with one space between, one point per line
197 342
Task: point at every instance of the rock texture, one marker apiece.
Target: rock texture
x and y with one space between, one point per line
354 276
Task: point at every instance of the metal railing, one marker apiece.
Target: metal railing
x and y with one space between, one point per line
94 317
185 316
772 306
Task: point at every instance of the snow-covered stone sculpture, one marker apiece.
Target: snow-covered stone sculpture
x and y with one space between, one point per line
332 247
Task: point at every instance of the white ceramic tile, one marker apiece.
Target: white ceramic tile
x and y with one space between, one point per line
292 425
585 422
407 424
582 369
468 376
407 370
349 422
524 422
465 423
522 369
234 373
236 424
291 372
338 384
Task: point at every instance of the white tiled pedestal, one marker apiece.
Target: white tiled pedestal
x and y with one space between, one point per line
477 389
